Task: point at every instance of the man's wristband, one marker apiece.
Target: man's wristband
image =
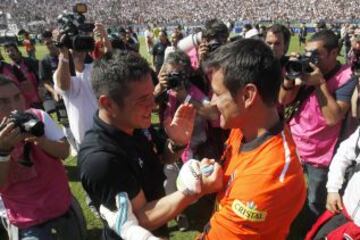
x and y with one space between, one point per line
5 158
187 99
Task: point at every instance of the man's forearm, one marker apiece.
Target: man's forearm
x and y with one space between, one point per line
48 86
288 92
329 107
157 213
62 74
57 149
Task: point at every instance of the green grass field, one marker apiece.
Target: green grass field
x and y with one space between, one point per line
199 213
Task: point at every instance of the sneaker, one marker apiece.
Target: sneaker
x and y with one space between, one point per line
182 222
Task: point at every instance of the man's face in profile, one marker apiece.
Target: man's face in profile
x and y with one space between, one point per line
229 110
138 104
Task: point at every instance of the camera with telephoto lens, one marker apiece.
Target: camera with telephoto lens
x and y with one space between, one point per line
296 68
175 79
73 29
27 122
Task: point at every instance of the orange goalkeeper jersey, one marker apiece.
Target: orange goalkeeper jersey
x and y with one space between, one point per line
264 188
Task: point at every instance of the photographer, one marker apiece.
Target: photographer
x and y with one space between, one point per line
158 51
278 39
174 39
177 79
48 65
214 35
29 68
319 107
79 98
122 154
33 182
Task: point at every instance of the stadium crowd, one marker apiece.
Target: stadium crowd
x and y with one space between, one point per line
112 12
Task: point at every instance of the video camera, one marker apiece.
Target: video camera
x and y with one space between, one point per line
74 28
175 79
295 68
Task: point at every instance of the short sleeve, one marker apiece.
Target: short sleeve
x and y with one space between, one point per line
345 92
103 176
52 129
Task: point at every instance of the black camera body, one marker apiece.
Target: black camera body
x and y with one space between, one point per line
175 79
74 28
295 68
28 123
213 45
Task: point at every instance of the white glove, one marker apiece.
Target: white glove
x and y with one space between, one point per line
123 221
190 176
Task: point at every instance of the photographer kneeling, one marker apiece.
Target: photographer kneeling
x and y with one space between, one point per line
33 183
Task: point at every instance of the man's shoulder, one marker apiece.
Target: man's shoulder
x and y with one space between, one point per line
344 72
98 146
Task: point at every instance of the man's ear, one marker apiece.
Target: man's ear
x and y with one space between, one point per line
335 52
106 103
250 93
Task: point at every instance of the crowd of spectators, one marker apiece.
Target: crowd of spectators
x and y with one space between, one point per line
112 12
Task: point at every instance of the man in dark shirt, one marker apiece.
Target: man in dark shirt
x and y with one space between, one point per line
120 154
48 65
158 51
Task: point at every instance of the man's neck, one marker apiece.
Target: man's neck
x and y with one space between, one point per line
79 67
106 118
260 124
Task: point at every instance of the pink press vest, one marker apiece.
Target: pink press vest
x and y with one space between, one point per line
37 194
315 140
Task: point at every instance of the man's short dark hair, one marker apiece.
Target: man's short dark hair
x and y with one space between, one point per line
328 37
248 61
113 73
215 28
278 28
179 58
46 34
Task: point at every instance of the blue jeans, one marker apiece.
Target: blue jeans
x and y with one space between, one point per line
65 227
317 193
